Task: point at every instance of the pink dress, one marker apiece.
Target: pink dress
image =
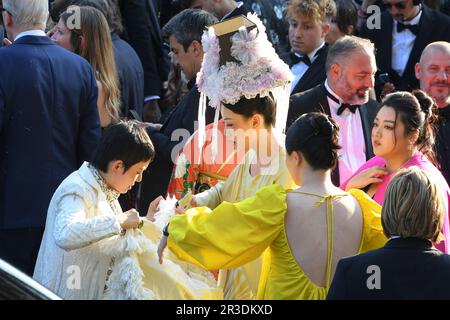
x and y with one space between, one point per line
419 160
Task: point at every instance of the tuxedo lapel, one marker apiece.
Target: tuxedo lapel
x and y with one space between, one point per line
384 44
367 113
323 101
425 29
315 73
308 77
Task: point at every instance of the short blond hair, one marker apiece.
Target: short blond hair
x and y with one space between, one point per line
317 10
413 206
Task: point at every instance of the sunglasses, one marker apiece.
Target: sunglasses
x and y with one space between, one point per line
398 5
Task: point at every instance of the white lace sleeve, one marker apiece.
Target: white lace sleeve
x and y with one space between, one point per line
73 230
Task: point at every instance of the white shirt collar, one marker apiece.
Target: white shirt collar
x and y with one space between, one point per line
239 4
413 21
327 86
312 55
38 33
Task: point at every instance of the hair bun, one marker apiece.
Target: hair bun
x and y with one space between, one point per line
425 101
324 126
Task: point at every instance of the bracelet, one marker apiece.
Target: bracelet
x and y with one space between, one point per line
166 231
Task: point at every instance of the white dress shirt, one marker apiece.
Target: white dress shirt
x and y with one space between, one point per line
402 44
300 68
351 138
38 33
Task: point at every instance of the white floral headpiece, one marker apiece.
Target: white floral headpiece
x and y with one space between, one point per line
258 70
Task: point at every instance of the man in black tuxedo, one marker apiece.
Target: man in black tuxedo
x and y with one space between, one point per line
144 35
407 27
407 267
307 31
344 96
222 9
184 32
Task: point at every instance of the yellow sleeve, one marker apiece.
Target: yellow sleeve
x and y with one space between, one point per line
230 235
373 236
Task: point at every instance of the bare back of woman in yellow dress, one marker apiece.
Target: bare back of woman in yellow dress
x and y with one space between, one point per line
307 230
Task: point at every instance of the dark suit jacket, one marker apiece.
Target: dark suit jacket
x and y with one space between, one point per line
183 116
434 26
242 10
131 77
144 35
408 268
49 125
442 146
315 74
315 100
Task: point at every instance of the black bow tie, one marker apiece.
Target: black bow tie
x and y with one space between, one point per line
413 28
343 106
296 59
351 107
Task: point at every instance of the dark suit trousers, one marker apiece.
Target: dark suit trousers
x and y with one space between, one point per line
20 247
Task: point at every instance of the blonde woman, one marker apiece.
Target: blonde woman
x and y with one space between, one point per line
91 39
407 267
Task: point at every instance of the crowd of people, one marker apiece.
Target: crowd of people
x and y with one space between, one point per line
292 147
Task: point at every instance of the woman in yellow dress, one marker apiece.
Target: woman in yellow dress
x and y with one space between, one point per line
305 231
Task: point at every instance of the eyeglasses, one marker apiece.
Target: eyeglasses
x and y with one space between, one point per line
399 5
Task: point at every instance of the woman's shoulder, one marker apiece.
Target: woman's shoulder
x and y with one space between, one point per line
372 233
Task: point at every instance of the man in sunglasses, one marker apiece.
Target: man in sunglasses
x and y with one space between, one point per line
407 27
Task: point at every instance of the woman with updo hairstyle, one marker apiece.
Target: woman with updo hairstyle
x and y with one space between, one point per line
402 137
303 233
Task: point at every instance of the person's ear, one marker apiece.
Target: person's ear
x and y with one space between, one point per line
257 121
417 70
298 158
350 30
7 21
335 71
197 48
413 137
82 43
117 166
325 29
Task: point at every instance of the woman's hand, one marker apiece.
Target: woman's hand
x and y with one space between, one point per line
153 208
129 219
161 247
366 177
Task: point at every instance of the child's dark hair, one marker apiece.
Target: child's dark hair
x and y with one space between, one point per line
316 136
127 141
416 111
248 107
